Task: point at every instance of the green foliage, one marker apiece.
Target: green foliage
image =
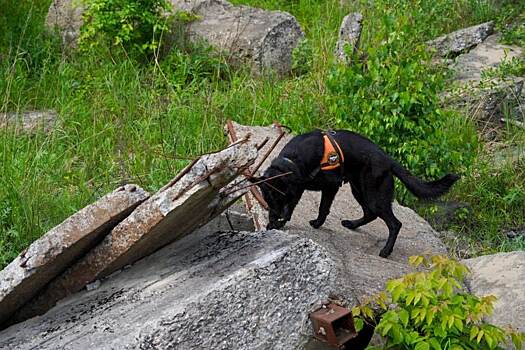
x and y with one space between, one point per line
302 58
393 99
430 309
136 26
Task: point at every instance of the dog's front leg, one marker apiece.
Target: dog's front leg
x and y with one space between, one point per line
327 197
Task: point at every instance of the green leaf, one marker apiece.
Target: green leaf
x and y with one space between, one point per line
422 345
403 316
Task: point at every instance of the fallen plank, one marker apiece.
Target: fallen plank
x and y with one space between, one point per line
51 254
172 213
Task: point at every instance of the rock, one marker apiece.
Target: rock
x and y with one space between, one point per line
446 213
492 101
189 201
51 254
66 17
362 272
488 54
206 291
455 43
265 38
501 275
29 122
349 35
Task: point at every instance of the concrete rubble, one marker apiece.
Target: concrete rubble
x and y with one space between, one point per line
51 254
206 291
501 275
455 43
29 122
349 35
264 38
189 201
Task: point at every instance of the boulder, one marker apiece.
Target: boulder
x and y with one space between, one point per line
455 43
349 35
488 54
189 201
51 254
206 291
29 122
488 100
501 275
264 38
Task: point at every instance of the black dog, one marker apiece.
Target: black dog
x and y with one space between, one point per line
366 167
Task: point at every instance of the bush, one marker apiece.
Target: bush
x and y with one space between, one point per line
431 310
134 25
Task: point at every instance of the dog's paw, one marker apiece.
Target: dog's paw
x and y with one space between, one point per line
316 223
384 253
349 224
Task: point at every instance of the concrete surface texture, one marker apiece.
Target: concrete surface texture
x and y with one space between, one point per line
51 254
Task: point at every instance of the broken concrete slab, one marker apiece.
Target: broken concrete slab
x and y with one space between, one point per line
185 204
487 55
29 122
264 38
455 43
501 275
206 291
51 254
66 17
349 35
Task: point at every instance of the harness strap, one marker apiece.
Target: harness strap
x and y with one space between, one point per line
333 156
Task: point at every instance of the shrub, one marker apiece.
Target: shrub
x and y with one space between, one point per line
431 310
134 25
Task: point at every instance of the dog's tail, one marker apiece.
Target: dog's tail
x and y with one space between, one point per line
420 188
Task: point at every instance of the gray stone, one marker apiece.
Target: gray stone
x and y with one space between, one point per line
66 17
349 35
455 43
487 55
29 122
267 38
501 275
490 102
206 291
264 38
183 205
51 254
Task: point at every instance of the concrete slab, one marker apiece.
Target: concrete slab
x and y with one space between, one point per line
51 254
206 291
175 211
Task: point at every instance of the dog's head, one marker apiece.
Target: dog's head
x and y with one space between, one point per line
281 193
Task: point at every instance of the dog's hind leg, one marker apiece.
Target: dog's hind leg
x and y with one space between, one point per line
327 197
394 225
368 215
382 196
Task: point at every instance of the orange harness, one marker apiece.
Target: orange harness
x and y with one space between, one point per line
333 157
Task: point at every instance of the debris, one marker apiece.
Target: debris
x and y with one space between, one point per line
264 38
349 35
29 122
455 43
333 324
51 254
170 214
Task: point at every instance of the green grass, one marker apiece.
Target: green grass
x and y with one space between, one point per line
122 121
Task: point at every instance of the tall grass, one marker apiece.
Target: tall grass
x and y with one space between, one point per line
121 121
